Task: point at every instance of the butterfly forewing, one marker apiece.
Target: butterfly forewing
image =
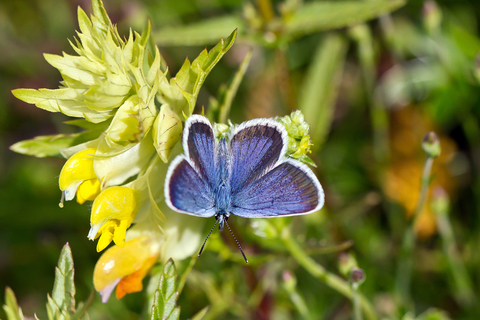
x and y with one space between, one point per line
190 179
255 147
199 147
290 188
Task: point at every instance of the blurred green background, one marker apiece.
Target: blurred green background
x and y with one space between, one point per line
370 91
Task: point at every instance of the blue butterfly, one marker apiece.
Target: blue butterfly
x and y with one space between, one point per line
246 175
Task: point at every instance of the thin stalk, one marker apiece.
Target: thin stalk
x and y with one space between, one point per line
357 307
183 278
463 290
405 265
232 90
299 304
319 272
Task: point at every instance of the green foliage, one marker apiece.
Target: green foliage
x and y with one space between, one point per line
61 304
326 15
165 299
321 86
164 303
45 146
182 91
13 311
369 91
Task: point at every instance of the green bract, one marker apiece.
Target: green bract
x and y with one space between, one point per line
105 73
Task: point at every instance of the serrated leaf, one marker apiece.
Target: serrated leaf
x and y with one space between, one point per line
201 33
12 310
320 87
45 146
326 15
201 314
63 294
165 296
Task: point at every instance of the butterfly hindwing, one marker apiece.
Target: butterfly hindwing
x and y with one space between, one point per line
290 188
255 146
186 191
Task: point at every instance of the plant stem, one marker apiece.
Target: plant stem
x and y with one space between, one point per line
405 265
183 278
266 10
463 285
319 272
357 308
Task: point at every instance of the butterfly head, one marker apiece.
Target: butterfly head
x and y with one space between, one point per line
221 217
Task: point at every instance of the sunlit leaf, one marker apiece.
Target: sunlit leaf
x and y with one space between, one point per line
63 295
13 311
45 146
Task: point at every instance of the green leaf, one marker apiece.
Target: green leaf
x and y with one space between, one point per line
201 314
164 303
182 91
201 33
63 295
326 15
320 87
433 314
12 310
45 146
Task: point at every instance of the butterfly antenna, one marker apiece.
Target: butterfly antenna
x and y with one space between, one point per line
238 244
201 250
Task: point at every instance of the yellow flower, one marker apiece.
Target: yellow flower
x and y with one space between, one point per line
125 267
88 190
74 176
112 213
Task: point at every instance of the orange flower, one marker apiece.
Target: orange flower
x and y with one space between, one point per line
125 267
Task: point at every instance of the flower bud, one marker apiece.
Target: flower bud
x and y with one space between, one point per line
431 145
432 17
167 130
